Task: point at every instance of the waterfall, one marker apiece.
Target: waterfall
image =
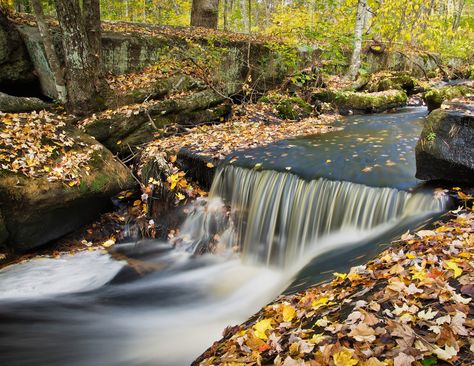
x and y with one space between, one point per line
277 217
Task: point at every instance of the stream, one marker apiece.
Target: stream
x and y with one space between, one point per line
315 205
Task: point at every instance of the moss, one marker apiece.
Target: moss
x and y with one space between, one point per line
435 97
293 108
369 102
388 81
326 96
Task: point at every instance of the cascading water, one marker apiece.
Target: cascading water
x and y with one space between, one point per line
267 224
277 218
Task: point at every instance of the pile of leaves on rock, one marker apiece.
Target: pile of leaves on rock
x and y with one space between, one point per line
37 144
411 305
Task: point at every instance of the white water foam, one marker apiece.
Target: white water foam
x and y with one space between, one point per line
45 277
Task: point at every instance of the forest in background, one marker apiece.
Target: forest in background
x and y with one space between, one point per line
443 27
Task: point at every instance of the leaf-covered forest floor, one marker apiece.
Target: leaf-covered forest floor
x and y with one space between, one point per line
411 305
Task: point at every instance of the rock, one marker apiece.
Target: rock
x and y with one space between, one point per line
129 127
158 90
435 97
293 108
15 64
3 231
37 211
383 81
354 102
9 103
445 150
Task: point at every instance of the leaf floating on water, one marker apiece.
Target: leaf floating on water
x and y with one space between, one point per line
108 243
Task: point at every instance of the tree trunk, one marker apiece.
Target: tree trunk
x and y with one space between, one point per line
51 54
205 13
457 14
93 29
245 18
358 31
82 71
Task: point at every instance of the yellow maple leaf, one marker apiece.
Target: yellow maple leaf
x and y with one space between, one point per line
344 358
289 312
450 264
180 196
210 165
340 275
261 327
320 302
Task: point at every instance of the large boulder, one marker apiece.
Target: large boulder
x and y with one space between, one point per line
435 97
353 102
16 68
131 126
445 150
53 179
9 103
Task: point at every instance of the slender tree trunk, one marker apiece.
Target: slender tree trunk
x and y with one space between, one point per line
226 10
358 31
245 18
82 73
205 13
51 54
457 14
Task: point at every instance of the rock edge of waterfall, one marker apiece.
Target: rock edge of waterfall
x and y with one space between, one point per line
411 303
445 150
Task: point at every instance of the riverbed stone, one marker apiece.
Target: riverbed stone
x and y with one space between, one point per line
435 97
445 150
37 211
353 102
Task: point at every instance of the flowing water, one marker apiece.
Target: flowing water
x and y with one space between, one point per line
259 233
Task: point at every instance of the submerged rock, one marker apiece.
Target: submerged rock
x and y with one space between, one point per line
9 103
445 150
347 101
435 97
38 207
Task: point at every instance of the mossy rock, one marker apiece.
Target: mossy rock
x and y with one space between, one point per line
37 211
391 80
445 150
323 95
434 98
348 102
3 230
293 108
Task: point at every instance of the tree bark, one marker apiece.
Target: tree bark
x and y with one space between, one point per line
358 31
50 51
94 30
82 71
205 13
457 14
